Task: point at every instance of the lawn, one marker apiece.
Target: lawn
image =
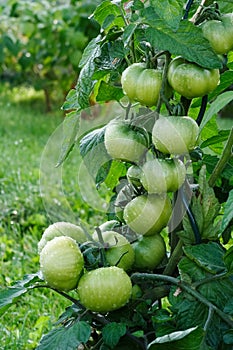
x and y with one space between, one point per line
30 144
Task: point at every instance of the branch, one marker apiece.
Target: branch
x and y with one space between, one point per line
137 277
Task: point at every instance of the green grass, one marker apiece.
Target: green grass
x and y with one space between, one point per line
30 142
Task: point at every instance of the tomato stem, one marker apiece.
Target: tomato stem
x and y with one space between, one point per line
187 8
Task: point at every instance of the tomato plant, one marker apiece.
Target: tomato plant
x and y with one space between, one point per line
179 295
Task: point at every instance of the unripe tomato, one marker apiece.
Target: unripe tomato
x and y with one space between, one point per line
124 141
163 175
105 289
149 252
175 135
134 175
191 80
219 33
62 228
61 263
142 84
148 214
119 251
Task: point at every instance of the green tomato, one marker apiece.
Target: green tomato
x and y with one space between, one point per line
61 263
149 252
148 214
175 135
104 289
124 142
62 229
119 251
123 197
142 84
134 175
219 33
163 175
191 80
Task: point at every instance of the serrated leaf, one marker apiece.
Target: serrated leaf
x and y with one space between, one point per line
190 271
208 256
71 101
228 259
85 82
12 294
108 14
187 41
108 92
70 131
112 333
66 338
170 10
221 101
228 212
188 339
93 151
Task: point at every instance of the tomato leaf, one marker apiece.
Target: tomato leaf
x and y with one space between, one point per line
187 41
94 154
85 82
208 256
68 338
70 131
220 137
108 15
108 92
188 339
170 10
71 101
228 259
112 333
221 101
228 212
12 294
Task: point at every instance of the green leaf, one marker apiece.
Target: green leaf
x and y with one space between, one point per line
70 131
68 338
228 212
188 339
12 294
108 92
85 82
128 33
208 256
187 41
228 337
71 101
228 259
170 10
112 333
108 14
93 151
221 101
222 136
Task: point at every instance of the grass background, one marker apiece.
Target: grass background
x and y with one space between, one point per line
25 129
